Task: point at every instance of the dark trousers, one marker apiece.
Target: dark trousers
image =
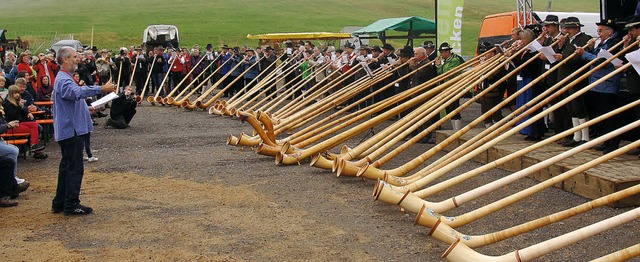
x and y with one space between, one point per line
139 82
176 78
157 80
7 181
122 121
87 144
70 173
452 107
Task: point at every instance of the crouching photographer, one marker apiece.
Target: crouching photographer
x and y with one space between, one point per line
123 109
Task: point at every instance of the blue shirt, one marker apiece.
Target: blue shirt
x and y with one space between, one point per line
71 115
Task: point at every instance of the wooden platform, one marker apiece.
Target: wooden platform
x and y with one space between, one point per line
617 174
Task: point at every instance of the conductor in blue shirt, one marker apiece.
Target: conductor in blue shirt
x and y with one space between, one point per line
71 121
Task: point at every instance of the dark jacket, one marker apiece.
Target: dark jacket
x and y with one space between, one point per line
122 104
14 112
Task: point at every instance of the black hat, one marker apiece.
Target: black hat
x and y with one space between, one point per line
376 48
551 20
428 44
209 46
484 47
388 47
268 48
406 51
94 48
445 47
225 47
572 21
632 21
608 23
249 49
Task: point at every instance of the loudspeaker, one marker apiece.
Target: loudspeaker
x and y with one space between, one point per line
618 10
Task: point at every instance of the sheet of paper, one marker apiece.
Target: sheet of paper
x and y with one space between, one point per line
535 46
606 55
548 52
105 99
634 59
366 68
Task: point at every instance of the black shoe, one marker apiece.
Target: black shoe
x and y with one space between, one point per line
100 114
608 150
599 147
533 138
37 147
7 202
40 155
571 143
80 210
19 189
57 210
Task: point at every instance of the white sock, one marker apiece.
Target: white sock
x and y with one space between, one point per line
577 136
584 131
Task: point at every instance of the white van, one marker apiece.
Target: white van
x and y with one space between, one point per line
62 43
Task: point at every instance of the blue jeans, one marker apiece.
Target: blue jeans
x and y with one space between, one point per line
12 152
70 173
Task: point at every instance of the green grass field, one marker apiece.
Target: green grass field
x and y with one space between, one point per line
121 22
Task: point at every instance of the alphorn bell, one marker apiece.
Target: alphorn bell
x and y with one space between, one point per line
447 234
460 252
152 100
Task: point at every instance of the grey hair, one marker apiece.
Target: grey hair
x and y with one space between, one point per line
64 52
421 50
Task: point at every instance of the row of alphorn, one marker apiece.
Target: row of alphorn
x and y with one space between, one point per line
293 129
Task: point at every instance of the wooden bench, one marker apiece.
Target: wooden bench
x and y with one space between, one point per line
47 126
21 140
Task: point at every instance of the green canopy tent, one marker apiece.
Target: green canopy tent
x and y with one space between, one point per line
416 27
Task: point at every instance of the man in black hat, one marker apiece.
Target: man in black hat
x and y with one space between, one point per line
122 60
446 62
431 50
551 31
576 107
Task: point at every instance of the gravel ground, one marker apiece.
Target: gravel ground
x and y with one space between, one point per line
169 188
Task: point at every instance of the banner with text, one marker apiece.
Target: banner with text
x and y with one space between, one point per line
449 21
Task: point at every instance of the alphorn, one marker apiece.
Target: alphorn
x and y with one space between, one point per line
151 99
413 203
456 201
447 234
372 171
191 106
119 76
392 175
472 173
520 115
175 88
198 103
220 107
220 93
621 255
240 97
146 82
134 72
332 142
460 252
185 98
168 100
385 139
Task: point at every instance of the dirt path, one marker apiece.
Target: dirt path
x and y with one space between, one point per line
169 188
